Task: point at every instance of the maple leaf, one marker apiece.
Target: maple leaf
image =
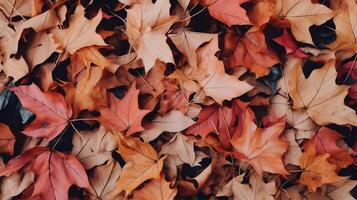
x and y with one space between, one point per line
325 142
319 95
252 52
345 21
316 169
341 190
188 42
23 7
103 180
222 120
155 189
262 148
147 24
52 114
123 114
216 83
93 147
7 139
15 184
55 172
256 189
182 147
80 33
289 44
142 163
302 14
229 12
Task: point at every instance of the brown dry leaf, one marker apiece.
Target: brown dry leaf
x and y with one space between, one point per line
80 33
302 14
155 189
93 148
147 24
142 163
316 169
294 153
257 189
103 180
7 139
15 184
319 95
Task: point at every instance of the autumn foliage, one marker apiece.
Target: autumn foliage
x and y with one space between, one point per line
178 99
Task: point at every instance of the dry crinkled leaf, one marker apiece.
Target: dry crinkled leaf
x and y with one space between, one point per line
93 148
81 32
319 95
316 169
182 147
293 155
142 163
15 184
155 189
255 190
21 8
302 14
103 180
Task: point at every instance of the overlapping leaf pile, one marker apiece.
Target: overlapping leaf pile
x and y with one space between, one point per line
179 99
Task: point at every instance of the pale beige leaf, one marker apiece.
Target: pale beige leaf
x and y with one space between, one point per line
14 184
302 14
103 180
182 146
80 33
93 147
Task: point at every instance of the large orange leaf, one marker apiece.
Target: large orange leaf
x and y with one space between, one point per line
262 148
316 169
54 172
52 114
123 114
142 163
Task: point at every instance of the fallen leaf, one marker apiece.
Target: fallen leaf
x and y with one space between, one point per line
15 184
52 114
262 148
54 172
103 180
7 139
316 169
123 114
256 189
182 147
142 163
229 12
81 32
302 15
155 189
